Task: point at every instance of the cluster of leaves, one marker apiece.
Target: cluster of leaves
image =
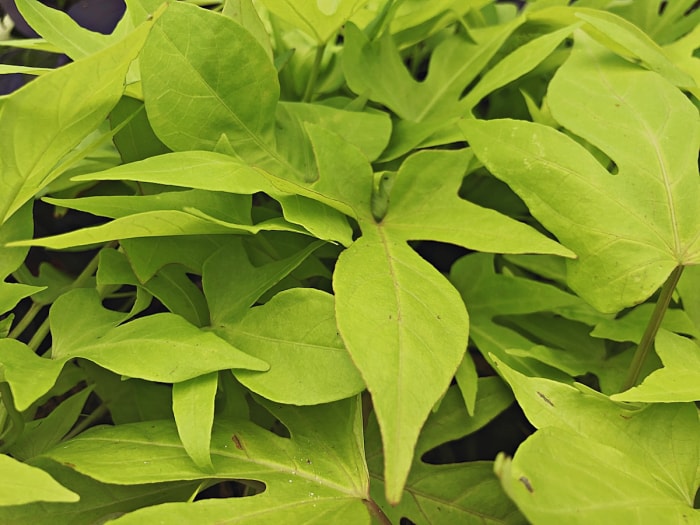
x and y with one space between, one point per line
266 313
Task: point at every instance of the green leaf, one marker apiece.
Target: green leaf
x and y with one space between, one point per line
207 102
58 28
638 224
677 381
74 100
193 407
320 467
449 493
656 471
321 19
227 174
160 347
229 299
154 224
98 501
21 483
404 325
28 375
406 334
376 68
135 141
42 434
295 332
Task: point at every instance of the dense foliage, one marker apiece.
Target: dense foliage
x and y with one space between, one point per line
353 261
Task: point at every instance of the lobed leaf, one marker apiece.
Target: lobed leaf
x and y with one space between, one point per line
635 226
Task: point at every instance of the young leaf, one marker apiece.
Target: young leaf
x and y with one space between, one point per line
73 100
320 19
636 226
22 483
193 407
295 332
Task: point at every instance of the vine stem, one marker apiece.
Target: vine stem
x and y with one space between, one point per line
377 512
652 329
313 76
25 321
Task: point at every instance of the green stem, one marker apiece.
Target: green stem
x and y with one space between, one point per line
26 320
11 435
87 422
313 76
652 329
377 512
39 335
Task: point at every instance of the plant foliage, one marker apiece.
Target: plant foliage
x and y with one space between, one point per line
353 261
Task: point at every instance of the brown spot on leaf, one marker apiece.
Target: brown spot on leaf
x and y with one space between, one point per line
545 399
237 441
526 482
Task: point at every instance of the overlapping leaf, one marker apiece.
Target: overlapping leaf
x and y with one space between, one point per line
448 493
403 323
65 106
23 483
649 479
632 228
319 471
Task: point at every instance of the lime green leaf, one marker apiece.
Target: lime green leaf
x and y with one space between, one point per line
73 100
295 332
377 68
58 28
227 174
624 255
136 140
193 407
414 215
98 501
244 12
161 347
208 104
631 326
618 490
677 381
155 224
229 299
320 467
21 483
662 457
628 39
407 335
449 493
42 434
403 324
9 69
321 19
28 375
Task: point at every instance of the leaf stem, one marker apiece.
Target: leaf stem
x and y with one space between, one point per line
652 329
377 511
313 76
26 320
